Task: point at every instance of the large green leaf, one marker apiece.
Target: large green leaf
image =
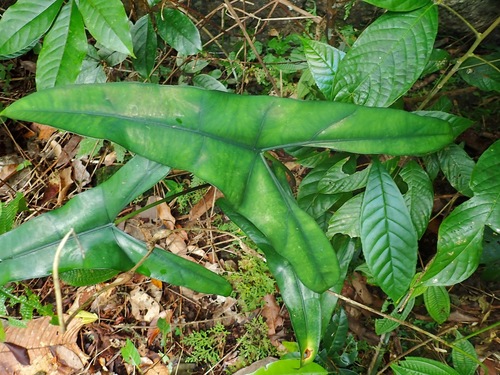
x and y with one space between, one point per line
290 366
464 364
482 72
145 43
323 61
178 31
437 303
107 22
24 23
387 58
28 251
422 366
64 49
185 127
388 236
460 238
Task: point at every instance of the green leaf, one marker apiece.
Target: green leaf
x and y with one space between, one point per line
464 364
175 28
422 366
461 233
437 303
491 256
303 304
107 22
458 124
419 197
24 23
399 5
336 333
336 180
28 251
92 70
187 130
482 72
438 60
208 82
63 51
290 366
8 212
346 219
457 166
323 61
387 58
130 354
387 234
145 44
386 325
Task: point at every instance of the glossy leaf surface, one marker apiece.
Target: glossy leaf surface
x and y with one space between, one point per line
63 51
387 58
387 233
290 366
457 166
28 250
178 31
460 235
107 22
184 127
24 23
145 43
323 61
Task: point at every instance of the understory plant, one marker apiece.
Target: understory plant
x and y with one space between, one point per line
369 188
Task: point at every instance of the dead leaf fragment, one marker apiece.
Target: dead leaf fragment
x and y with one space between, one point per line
271 311
144 306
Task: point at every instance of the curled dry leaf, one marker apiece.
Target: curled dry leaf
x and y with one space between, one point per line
271 311
144 307
41 348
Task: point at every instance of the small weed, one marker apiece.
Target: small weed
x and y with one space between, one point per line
255 344
206 346
251 282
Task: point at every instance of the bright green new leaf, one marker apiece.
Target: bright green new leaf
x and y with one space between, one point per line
186 128
399 5
464 364
24 23
419 197
437 303
178 31
482 72
460 238
107 22
290 367
457 166
28 251
422 366
145 44
388 236
130 354
64 49
323 61
387 58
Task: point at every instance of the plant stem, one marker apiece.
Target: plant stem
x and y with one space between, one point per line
479 39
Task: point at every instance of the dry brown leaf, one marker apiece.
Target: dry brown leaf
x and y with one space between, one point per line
65 182
205 204
47 350
69 151
271 311
144 307
80 173
44 131
164 213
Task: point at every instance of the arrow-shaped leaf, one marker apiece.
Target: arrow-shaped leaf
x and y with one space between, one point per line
222 137
28 251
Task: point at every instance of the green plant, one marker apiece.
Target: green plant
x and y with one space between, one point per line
206 345
251 282
255 343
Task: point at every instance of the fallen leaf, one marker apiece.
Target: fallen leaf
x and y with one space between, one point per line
205 204
144 306
44 131
41 348
271 311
